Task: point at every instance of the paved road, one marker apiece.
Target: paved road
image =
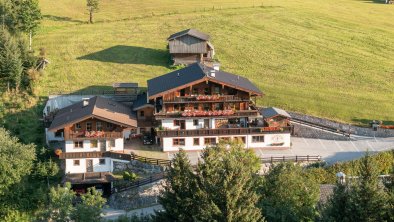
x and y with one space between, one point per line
330 150
113 214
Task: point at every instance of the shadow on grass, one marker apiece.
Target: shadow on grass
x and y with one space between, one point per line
368 121
61 19
374 1
124 54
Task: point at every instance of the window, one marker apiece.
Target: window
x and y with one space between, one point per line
195 106
77 126
216 90
99 126
209 141
182 107
178 142
196 141
78 144
218 106
93 144
206 91
112 143
195 122
76 162
102 161
59 133
142 113
257 139
89 126
206 107
195 91
110 125
176 107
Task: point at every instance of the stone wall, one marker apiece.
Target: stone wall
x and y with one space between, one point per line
143 196
355 130
137 167
308 132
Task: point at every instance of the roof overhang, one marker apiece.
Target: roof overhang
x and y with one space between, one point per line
144 106
54 129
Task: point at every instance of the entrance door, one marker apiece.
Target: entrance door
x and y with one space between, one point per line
103 145
182 124
89 165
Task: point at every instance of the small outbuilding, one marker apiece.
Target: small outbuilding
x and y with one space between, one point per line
190 46
275 117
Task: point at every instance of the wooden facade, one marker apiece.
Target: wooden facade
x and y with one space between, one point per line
92 128
188 49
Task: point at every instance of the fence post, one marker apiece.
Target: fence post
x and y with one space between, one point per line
307 158
283 158
296 159
157 161
271 159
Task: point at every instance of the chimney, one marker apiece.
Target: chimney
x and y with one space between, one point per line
212 72
85 102
216 66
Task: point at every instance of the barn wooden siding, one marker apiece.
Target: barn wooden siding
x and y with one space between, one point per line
188 44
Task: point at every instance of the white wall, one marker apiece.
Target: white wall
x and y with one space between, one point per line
70 168
50 136
69 145
167 143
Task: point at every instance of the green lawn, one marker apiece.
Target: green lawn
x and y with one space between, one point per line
330 58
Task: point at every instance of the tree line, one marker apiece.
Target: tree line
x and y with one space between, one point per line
225 186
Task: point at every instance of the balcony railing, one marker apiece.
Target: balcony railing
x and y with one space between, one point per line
92 135
206 98
192 114
222 131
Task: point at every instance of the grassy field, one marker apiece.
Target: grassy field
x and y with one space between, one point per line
330 58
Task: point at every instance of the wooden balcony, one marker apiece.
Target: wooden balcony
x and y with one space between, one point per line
90 135
207 114
205 98
222 131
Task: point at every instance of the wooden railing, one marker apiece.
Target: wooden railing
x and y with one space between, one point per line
205 98
296 159
238 113
90 135
222 131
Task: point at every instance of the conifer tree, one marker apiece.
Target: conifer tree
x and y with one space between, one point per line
338 206
369 201
11 69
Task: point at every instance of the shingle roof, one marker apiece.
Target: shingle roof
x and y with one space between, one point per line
273 111
97 107
141 101
192 32
326 190
197 72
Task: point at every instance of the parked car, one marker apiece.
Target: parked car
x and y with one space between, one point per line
147 140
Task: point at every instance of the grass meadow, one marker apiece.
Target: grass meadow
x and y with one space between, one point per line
329 58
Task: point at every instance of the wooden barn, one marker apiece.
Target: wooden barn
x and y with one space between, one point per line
190 46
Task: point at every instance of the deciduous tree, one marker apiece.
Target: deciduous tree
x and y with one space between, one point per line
91 207
289 194
16 160
93 6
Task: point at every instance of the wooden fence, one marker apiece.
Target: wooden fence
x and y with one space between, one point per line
296 159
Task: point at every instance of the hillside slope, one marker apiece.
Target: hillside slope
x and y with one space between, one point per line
327 58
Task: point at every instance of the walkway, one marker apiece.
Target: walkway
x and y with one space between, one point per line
330 150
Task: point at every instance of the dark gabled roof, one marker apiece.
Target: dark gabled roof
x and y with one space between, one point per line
125 85
97 107
192 32
326 190
273 111
197 72
141 102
